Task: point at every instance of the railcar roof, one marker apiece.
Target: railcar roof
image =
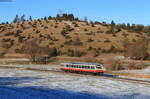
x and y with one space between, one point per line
80 63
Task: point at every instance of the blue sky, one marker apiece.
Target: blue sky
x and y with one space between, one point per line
121 11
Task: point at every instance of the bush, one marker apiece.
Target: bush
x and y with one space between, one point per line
37 31
68 28
96 52
55 26
64 33
77 42
68 42
6 39
90 48
18 31
76 25
113 49
18 50
115 65
90 40
9 34
46 27
107 41
7 46
85 29
75 53
68 37
54 52
21 39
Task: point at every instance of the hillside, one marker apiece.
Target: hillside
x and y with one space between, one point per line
86 38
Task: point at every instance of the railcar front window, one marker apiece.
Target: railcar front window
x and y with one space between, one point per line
98 67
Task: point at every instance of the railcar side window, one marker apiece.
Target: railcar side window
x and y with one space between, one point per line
84 66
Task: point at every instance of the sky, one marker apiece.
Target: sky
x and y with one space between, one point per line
121 11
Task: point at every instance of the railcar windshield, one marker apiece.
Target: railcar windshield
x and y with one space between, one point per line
99 67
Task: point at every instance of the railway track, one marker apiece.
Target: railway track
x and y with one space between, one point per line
114 77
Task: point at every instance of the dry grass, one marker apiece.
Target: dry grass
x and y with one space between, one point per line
51 34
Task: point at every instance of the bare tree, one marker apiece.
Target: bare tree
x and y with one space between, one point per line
138 49
39 54
34 51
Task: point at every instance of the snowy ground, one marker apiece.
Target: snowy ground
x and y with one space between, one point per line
145 71
25 84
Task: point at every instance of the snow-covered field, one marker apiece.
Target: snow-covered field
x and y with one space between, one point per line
25 84
145 71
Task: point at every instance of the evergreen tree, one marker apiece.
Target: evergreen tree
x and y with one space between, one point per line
16 19
30 18
7 22
113 23
22 18
112 28
128 26
85 19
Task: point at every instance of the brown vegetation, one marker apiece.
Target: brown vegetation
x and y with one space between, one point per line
72 37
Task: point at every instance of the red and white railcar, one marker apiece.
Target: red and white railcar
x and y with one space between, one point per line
93 68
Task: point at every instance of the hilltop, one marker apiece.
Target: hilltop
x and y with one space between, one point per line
69 35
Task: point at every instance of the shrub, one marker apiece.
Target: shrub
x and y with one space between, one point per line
61 46
75 53
77 42
9 34
125 34
133 40
76 25
85 29
6 39
37 31
18 50
54 39
90 48
96 52
7 45
51 43
68 28
21 39
64 33
54 52
115 65
107 41
113 49
45 27
68 42
68 37
90 40
99 31
55 26
18 31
